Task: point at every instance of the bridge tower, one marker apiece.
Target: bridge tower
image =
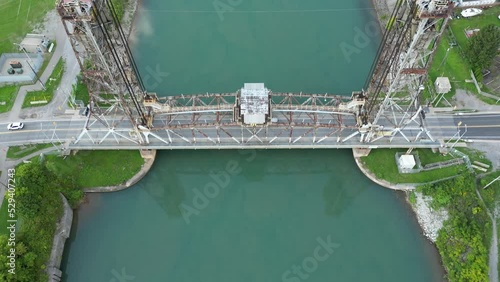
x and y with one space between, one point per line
109 71
400 70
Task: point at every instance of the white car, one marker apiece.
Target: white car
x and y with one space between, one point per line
15 126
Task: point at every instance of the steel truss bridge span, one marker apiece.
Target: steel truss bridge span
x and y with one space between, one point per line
389 109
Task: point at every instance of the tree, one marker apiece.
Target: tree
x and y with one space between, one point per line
482 48
32 182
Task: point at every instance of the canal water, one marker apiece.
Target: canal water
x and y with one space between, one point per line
265 215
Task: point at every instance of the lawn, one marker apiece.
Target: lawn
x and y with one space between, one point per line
448 60
475 155
382 163
51 86
458 26
18 18
17 152
80 91
426 156
4 216
98 168
8 95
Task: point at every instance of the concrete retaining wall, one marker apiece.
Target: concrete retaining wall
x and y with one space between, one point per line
62 233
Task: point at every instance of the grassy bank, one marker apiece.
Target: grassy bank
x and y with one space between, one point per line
51 86
39 207
97 168
17 152
464 239
382 163
8 95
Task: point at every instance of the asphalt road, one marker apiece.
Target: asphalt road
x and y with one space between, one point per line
470 127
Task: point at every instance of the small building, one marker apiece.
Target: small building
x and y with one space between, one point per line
34 43
442 85
407 162
254 103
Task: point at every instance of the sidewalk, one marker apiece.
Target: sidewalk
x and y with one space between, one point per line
57 105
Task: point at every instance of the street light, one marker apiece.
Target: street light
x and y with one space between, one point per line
31 67
459 136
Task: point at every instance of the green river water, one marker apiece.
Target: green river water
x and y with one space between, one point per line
231 216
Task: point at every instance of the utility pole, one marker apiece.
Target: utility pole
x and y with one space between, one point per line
31 67
459 136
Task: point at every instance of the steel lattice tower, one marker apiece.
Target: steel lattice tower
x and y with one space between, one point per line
400 69
106 62
389 105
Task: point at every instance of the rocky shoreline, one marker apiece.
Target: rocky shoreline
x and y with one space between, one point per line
430 221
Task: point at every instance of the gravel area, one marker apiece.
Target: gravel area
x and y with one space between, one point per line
430 220
491 151
464 100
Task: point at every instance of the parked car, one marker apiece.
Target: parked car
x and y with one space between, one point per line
15 126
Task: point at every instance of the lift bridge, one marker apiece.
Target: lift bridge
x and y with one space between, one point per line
388 112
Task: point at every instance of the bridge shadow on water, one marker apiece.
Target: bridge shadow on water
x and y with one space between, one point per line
176 174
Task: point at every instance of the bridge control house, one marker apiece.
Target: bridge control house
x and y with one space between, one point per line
254 103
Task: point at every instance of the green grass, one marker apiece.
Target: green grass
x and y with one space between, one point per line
51 86
98 168
488 100
8 95
475 155
17 152
382 163
492 193
463 241
119 6
412 198
426 156
19 18
80 91
4 216
451 65
489 16
46 60
454 65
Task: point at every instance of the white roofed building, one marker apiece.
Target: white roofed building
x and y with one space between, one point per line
254 103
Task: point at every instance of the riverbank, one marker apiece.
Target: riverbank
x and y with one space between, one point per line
430 221
149 157
62 234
